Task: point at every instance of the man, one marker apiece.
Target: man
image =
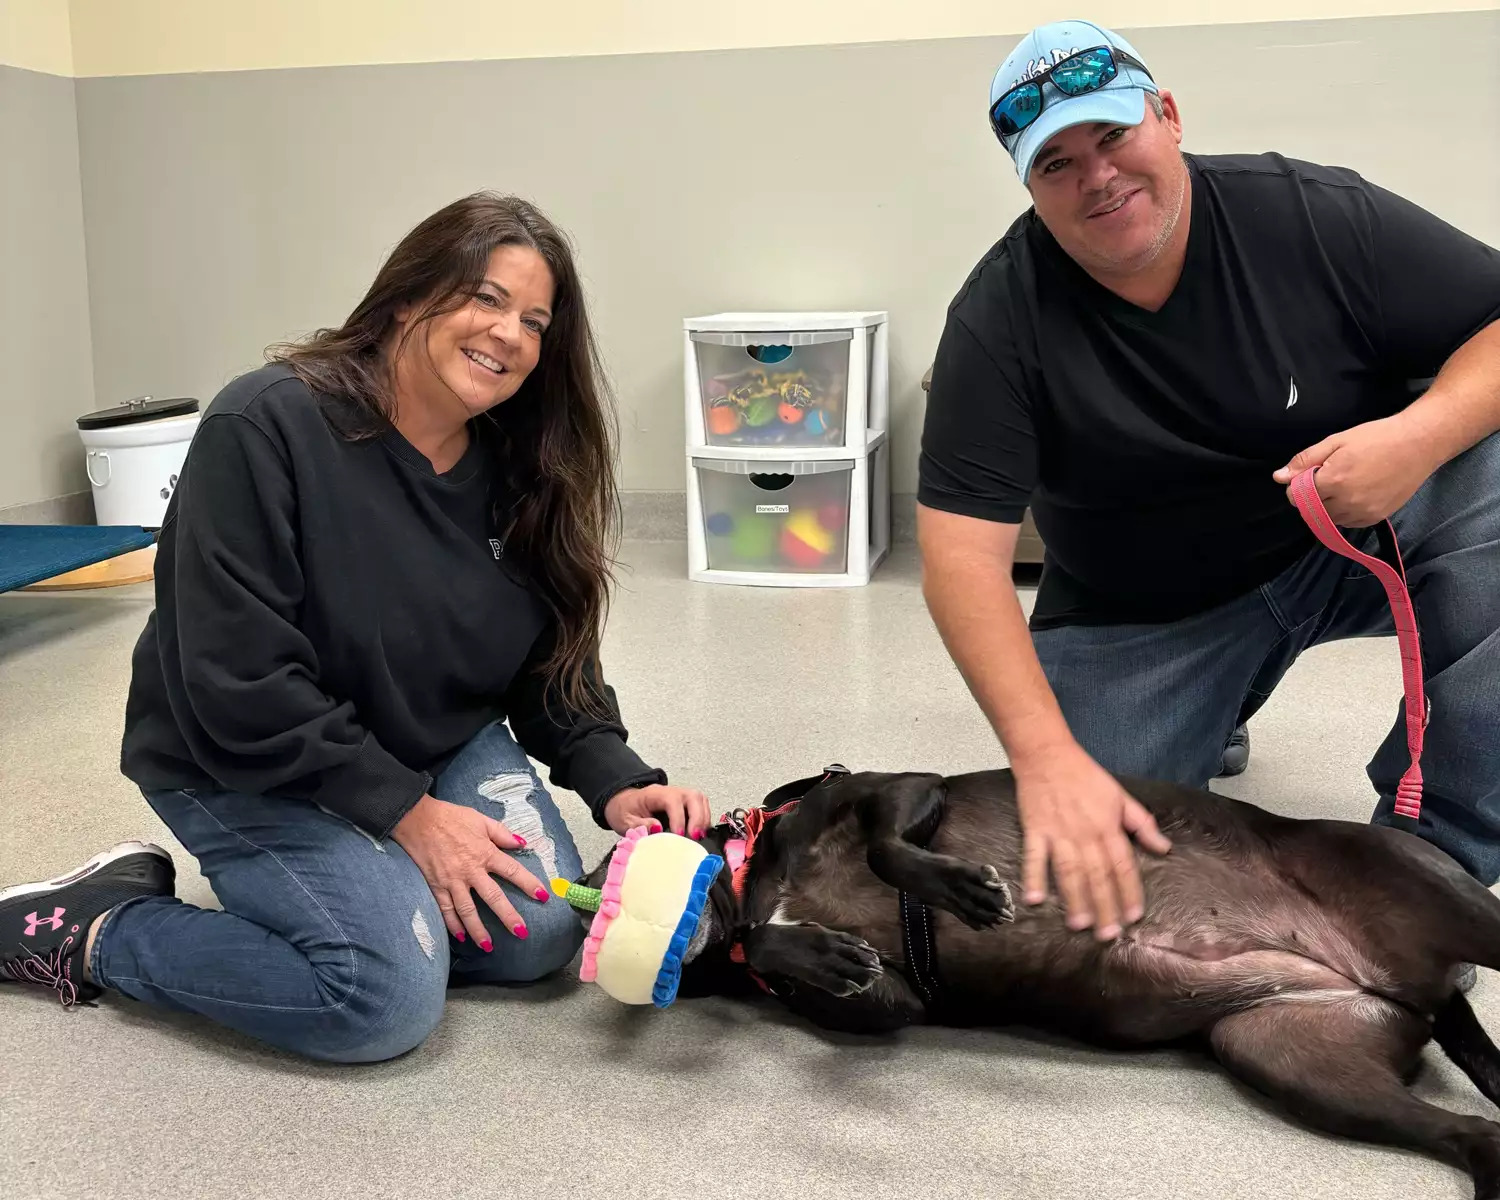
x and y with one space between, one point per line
1147 358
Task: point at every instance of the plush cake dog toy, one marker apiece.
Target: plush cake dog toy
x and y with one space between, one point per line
644 915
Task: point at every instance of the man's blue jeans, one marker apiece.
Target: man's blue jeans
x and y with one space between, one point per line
1161 700
331 944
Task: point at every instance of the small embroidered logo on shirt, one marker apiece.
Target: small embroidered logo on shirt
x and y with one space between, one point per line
1291 398
495 546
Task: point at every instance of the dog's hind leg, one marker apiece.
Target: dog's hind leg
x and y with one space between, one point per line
1339 1064
1457 1030
1406 905
905 809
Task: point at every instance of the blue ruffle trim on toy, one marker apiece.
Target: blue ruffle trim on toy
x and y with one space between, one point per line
670 974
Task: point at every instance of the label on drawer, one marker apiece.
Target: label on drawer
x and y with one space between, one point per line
773 508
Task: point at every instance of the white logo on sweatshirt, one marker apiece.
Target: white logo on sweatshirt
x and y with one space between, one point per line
1291 398
496 547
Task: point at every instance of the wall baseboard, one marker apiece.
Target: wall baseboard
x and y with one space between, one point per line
654 516
903 517
76 508
648 516
662 516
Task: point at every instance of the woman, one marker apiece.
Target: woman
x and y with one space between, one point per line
382 544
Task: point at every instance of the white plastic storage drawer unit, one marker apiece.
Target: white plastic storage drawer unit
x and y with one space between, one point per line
787 382
788 523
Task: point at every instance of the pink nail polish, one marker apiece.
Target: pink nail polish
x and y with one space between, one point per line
522 932
541 894
697 835
461 936
486 945
520 841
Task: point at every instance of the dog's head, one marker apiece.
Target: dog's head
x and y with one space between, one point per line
715 924
706 964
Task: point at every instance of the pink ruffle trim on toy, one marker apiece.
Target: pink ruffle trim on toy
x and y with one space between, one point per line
609 902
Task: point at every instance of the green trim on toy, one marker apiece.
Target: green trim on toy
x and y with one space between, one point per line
586 899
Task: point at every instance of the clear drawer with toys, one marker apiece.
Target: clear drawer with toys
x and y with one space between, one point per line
788 523
775 516
791 392
813 382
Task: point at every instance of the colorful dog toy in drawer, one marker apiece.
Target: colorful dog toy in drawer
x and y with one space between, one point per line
788 522
789 381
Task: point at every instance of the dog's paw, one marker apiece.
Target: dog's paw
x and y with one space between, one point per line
977 896
844 965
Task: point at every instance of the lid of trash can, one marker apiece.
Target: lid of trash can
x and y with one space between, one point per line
139 408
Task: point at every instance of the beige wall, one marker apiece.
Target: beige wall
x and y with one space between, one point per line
36 35
46 368
139 37
144 37
228 210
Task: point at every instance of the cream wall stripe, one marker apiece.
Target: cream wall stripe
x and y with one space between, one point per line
145 37
34 34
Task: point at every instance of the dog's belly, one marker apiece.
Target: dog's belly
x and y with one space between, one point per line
1153 984
1222 932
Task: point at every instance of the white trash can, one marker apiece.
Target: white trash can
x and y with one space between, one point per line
133 454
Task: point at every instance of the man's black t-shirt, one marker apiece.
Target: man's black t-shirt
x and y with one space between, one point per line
1310 301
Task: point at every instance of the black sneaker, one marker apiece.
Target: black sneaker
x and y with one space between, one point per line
44 926
1236 752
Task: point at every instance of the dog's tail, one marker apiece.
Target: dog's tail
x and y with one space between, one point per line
1457 1030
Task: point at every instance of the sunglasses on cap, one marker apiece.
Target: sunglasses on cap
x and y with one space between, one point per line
1077 75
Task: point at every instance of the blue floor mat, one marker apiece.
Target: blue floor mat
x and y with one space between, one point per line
32 553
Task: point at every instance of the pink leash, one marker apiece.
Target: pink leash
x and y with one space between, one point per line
1305 495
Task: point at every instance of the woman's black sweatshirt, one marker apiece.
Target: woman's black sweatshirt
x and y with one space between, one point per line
334 619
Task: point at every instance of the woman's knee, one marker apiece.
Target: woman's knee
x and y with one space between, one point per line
558 935
383 989
381 1017
554 934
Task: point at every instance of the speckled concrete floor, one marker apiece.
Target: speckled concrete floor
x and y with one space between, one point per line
558 1092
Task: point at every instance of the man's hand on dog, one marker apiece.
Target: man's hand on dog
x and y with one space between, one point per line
685 811
1075 817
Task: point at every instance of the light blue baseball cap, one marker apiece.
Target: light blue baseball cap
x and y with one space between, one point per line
1122 101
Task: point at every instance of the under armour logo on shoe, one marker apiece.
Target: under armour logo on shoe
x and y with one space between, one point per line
34 922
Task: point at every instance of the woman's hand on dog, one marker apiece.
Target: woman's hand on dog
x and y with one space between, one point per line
686 812
459 851
1076 817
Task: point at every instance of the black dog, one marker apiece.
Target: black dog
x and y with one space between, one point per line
1314 958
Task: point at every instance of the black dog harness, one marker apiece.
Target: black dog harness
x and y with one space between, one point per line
918 943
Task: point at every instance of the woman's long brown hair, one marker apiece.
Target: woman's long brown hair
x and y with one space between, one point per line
558 431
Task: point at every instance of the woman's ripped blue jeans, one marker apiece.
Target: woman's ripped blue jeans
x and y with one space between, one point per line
330 944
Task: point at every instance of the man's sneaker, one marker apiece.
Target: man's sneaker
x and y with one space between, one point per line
44 926
1236 752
